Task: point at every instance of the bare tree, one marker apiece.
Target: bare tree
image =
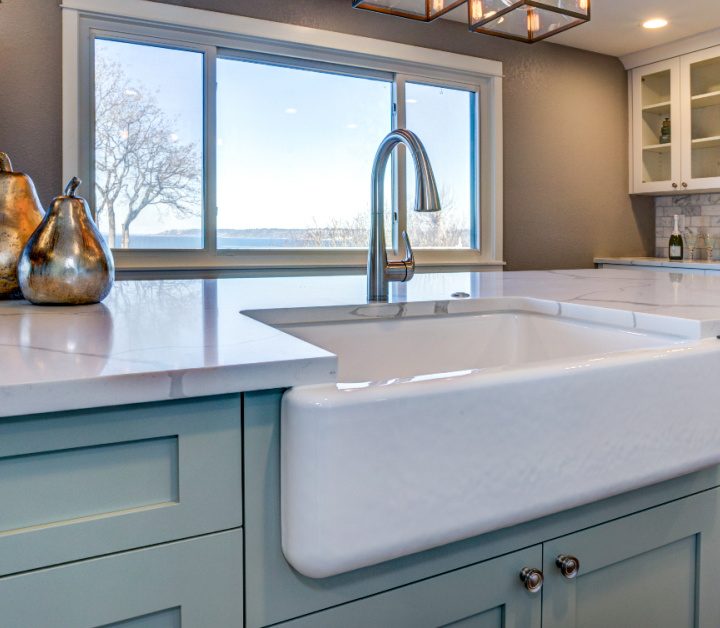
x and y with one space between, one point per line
346 232
443 229
138 161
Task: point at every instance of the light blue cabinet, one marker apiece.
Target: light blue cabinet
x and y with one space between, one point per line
128 516
657 568
488 595
193 584
85 483
168 514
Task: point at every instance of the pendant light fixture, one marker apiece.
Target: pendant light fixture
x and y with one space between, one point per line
424 10
526 20
522 20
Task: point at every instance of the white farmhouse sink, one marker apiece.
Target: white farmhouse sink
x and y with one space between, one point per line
452 419
397 348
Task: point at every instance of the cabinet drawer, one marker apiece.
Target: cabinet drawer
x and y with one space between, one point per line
480 596
193 584
81 484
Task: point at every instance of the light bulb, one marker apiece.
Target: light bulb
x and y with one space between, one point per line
476 10
583 5
438 5
533 21
657 22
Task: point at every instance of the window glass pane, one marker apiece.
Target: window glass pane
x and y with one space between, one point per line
149 145
444 120
295 150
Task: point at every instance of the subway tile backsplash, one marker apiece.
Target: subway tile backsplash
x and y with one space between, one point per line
700 212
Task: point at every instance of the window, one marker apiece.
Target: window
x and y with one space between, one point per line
148 166
210 146
445 119
294 152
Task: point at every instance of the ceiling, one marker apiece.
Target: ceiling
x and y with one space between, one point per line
615 28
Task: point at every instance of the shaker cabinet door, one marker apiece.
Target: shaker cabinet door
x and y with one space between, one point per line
193 584
657 568
487 595
86 483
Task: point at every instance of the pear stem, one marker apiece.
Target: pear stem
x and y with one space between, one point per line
5 163
72 186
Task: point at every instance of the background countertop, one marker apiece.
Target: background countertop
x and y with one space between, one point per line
660 261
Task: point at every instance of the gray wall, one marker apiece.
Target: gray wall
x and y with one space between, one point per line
565 110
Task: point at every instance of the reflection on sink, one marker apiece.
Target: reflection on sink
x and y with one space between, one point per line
384 349
459 418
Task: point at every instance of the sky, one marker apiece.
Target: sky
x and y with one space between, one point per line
295 147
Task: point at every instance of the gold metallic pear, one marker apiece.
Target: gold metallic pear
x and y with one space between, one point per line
20 214
66 260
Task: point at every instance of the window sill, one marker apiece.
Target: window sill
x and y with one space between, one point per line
145 264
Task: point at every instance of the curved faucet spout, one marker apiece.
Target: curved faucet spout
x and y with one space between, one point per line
427 199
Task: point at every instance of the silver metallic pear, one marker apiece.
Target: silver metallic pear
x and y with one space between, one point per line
66 260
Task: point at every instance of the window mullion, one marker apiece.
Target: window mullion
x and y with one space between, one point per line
399 167
210 161
475 173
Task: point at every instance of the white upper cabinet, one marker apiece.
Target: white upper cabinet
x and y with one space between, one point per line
700 109
656 99
684 92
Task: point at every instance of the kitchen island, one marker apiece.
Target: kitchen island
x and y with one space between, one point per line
140 459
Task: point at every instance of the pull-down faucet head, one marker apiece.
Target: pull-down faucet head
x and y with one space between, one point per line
427 198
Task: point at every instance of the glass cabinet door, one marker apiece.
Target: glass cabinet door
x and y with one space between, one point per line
701 111
656 127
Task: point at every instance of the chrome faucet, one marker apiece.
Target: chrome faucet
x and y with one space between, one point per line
379 270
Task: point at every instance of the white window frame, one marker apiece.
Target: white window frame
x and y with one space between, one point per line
210 32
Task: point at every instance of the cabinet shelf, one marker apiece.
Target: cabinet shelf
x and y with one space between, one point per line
710 99
706 142
658 148
661 108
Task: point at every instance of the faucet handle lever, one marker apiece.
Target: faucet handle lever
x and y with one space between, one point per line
409 255
404 269
409 259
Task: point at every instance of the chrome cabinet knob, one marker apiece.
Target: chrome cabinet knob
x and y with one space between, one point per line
532 579
674 185
569 566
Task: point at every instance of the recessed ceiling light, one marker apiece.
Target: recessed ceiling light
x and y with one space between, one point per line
657 22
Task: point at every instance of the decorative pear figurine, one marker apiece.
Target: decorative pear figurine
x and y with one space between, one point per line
66 260
20 214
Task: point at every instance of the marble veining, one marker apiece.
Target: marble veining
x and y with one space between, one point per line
156 340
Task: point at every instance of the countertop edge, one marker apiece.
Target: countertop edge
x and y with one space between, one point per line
97 392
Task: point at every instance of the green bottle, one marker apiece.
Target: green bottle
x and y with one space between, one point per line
675 245
665 132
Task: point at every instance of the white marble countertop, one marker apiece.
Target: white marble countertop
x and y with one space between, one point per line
660 261
159 340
